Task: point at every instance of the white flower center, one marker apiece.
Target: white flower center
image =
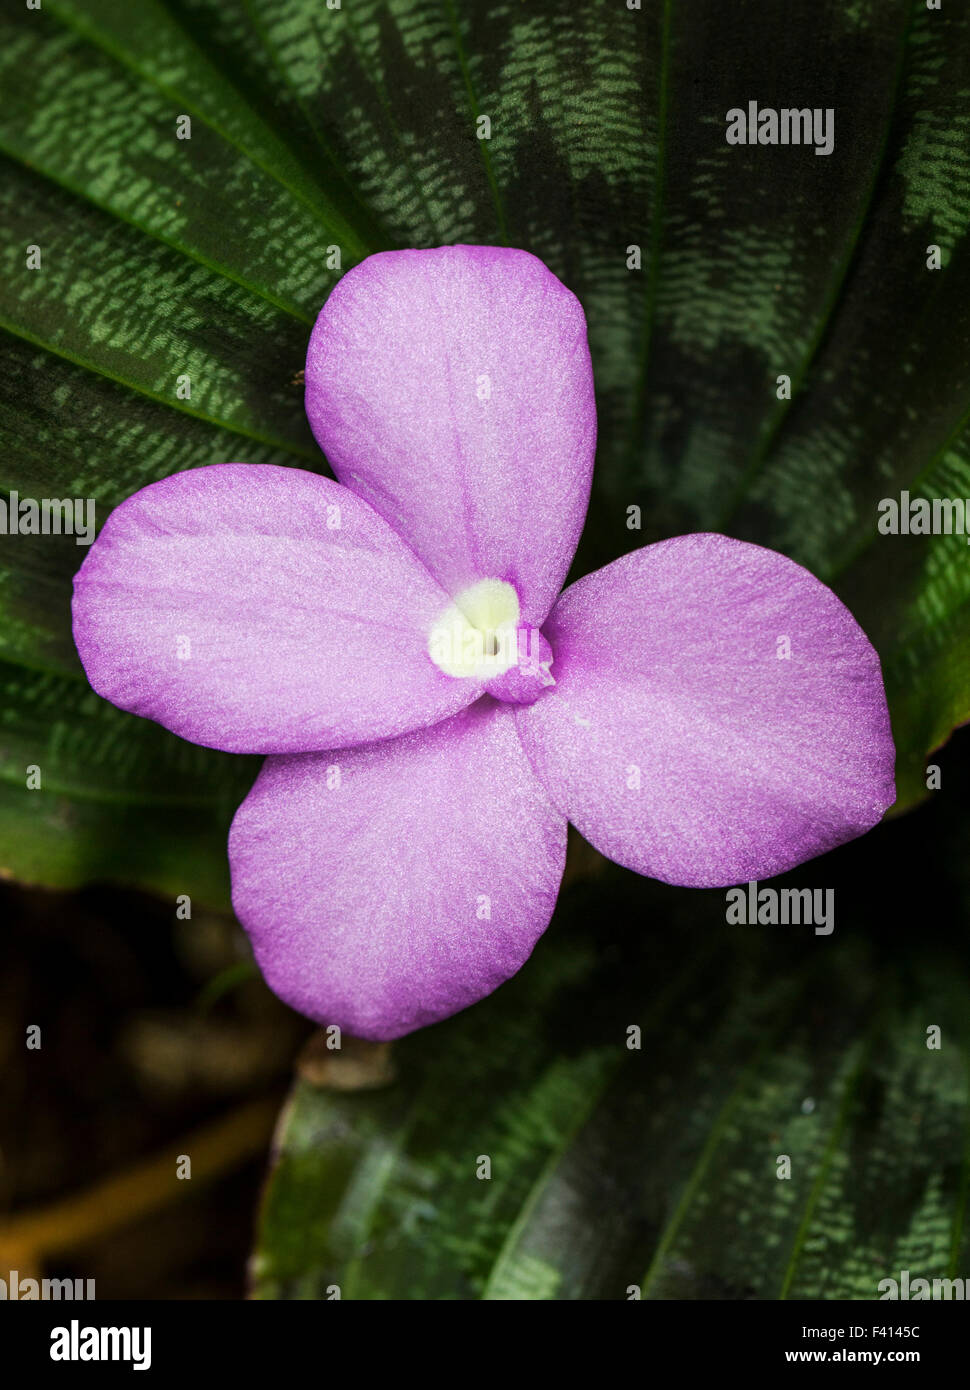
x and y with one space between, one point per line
476 636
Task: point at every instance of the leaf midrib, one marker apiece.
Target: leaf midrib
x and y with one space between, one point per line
56 350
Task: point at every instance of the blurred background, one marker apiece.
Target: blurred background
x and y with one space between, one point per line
655 1164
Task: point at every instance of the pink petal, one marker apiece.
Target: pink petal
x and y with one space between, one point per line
261 610
390 885
452 388
681 742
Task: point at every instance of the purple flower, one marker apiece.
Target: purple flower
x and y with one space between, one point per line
703 710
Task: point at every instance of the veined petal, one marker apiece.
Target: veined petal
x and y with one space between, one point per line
261 610
452 388
718 715
391 885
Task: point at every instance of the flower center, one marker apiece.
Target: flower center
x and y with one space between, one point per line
480 637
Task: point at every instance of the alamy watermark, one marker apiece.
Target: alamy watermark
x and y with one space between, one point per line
749 905
50 516
16 1289
789 125
923 516
77 1343
906 1287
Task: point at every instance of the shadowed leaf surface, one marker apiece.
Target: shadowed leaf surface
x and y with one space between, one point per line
662 1169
